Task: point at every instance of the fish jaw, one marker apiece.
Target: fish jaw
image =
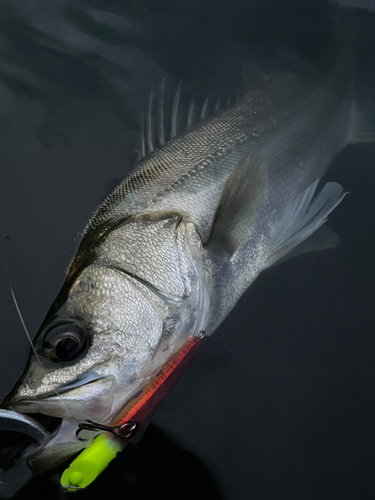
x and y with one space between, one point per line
91 401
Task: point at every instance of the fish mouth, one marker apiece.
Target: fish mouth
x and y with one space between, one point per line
67 403
31 405
84 379
44 428
20 424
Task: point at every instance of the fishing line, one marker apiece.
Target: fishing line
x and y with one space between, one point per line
24 325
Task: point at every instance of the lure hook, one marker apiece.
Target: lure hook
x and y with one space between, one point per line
125 431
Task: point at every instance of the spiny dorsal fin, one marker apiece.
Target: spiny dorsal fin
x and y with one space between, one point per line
143 144
204 107
239 205
161 136
154 125
190 117
149 131
176 102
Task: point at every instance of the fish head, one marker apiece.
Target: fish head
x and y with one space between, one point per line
110 331
104 338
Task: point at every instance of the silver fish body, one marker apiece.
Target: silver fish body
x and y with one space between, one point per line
173 248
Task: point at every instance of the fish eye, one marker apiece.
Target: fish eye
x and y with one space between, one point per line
64 342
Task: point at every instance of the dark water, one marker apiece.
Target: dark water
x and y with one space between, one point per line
280 403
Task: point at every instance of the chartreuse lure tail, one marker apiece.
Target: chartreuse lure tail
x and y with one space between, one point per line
92 461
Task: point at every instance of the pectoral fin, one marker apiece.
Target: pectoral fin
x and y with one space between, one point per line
323 239
239 205
303 218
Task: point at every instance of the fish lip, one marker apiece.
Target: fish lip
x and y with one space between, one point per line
39 407
84 379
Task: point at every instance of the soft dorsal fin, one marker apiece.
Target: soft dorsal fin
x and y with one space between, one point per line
239 205
303 217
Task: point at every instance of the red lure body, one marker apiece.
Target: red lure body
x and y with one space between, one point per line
140 407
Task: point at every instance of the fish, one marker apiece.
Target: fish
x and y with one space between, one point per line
208 207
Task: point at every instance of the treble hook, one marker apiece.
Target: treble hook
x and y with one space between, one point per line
125 431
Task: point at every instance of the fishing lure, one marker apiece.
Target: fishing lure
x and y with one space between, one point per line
122 430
